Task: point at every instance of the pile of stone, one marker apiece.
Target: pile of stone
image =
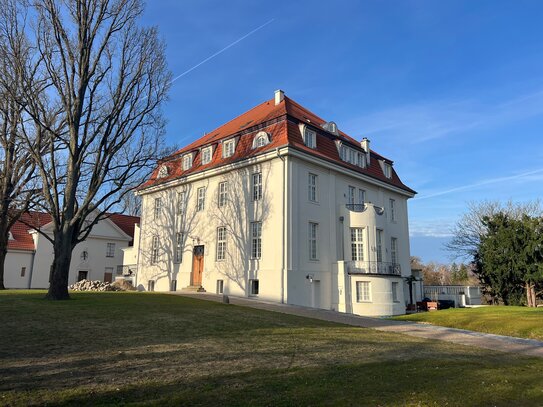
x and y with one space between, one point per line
97 285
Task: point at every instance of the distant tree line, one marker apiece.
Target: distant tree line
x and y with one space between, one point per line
434 273
505 245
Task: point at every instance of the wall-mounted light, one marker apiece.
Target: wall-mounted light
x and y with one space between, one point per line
309 277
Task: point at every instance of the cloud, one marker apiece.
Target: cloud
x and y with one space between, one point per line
525 176
430 228
429 120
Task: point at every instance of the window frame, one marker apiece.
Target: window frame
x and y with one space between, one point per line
157 208
256 181
394 250
351 192
357 244
207 152
186 162
363 291
395 287
226 151
110 249
387 170
155 244
313 187
261 135
392 205
220 254
256 240
254 283
181 202
200 199
222 194
178 249
361 196
379 245
313 241
310 138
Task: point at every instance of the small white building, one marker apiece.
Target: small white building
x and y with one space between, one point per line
99 257
281 205
461 295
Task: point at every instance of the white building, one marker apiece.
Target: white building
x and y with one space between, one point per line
281 205
99 257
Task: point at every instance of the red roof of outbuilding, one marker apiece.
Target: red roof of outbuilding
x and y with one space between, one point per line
281 123
21 239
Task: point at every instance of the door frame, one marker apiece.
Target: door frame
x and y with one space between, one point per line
197 258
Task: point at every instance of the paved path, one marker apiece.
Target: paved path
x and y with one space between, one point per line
528 347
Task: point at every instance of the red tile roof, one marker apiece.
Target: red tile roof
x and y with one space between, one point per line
281 123
22 239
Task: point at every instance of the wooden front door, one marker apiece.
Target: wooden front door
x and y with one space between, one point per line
108 277
197 265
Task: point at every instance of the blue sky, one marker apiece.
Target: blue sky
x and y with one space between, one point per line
452 91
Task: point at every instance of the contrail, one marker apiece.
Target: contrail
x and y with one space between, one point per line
222 50
481 183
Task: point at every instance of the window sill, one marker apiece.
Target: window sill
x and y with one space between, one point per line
364 302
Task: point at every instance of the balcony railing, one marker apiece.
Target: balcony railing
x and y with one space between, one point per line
374 267
127 270
356 207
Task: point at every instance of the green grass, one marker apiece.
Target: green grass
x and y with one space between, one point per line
145 348
521 322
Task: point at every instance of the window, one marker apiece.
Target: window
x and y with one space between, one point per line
394 291
379 248
173 286
201 199
223 193
23 271
257 186
357 244
261 139
181 202
310 138
387 170
352 156
394 250
221 243
220 286
158 207
187 162
82 275
392 210
313 236
110 250
312 182
350 197
228 148
108 275
363 291
163 171
84 255
361 196
154 250
178 255
256 240
151 285
206 155
253 287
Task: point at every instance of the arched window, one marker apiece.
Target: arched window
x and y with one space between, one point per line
163 171
261 139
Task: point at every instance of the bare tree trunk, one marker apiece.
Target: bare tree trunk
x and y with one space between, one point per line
4 227
58 284
2 267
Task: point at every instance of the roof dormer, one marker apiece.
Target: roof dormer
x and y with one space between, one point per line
261 139
163 171
308 135
206 155
228 147
186 161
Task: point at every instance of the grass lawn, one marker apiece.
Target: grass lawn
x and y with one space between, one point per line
146 348
513 321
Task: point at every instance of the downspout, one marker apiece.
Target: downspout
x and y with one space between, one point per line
283 228
31 269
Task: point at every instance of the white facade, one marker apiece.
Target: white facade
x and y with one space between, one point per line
286 270
100 254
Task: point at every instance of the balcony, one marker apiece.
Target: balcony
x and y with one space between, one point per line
374 267
127 270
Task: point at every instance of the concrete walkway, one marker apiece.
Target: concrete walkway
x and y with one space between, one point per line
527 347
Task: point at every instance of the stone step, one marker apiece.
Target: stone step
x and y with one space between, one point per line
195 288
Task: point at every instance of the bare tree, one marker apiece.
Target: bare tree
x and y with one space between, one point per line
96 108
17 186
468 230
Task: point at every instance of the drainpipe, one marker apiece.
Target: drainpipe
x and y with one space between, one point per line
342 254
31 269
283 228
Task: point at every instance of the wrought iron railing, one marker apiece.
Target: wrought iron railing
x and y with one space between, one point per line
374 267
127 270
356 207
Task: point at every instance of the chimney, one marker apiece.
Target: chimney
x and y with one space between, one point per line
365 144
279 96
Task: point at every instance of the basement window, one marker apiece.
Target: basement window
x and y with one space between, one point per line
253 287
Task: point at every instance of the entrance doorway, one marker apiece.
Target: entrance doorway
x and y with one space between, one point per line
197 265
82 275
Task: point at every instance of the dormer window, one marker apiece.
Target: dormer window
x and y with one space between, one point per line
228 148
163 171
10 236
207 153
352 156
387 170
261 139
310 138
187 162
